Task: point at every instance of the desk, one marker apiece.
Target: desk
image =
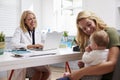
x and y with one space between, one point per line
7 62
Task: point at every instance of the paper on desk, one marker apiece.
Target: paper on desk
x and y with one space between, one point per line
42 53
32 53
20 52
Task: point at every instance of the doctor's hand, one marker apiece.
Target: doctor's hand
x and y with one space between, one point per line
35 46
38 46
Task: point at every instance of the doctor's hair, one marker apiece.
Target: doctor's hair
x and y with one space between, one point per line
24 15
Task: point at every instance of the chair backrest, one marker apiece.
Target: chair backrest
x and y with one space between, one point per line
116 74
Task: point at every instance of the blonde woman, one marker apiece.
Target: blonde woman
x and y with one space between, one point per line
87 23
28 36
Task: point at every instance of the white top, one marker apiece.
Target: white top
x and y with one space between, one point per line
22 39
94 57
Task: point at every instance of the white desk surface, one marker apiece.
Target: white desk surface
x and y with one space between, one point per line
8 62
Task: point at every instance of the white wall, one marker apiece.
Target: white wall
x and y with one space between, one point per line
118 13
106 9
35 6
103 8
43 10
48 16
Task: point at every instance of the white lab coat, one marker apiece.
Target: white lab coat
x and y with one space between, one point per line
21 39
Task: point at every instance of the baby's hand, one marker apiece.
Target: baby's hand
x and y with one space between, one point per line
80 63
88 48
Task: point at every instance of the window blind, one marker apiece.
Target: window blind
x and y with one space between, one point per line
8 16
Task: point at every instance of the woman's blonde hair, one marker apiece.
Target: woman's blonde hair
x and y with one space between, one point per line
82 38
23 26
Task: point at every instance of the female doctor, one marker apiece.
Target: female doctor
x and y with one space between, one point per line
28 36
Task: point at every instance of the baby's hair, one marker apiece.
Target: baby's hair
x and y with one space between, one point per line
101 38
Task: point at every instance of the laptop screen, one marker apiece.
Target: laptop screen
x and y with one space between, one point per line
52 40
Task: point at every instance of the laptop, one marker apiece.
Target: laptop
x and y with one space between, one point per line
52 41
51 44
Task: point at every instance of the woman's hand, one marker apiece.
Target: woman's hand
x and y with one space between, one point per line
75 75
66 74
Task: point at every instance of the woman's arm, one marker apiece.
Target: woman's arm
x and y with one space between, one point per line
100 69
16 39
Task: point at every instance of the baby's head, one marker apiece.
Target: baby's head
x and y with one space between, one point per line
99 40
